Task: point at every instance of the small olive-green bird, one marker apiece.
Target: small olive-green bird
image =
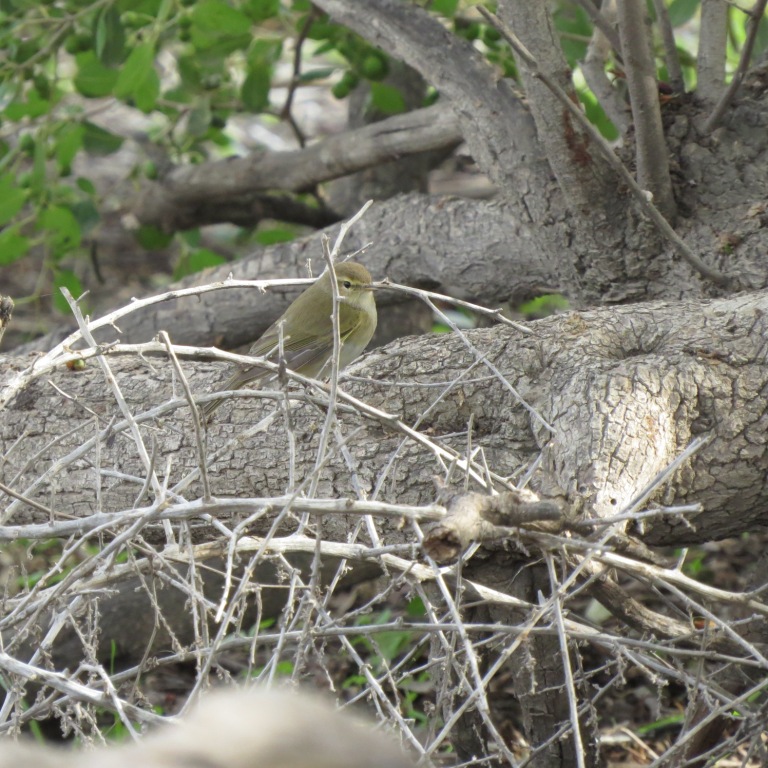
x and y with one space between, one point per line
307 329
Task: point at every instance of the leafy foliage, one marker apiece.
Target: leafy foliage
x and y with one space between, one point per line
189 67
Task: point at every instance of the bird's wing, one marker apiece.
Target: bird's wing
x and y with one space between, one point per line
304 352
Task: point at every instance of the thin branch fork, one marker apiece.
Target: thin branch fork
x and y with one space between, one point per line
640 195
753 25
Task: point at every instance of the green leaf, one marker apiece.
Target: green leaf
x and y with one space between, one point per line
38 176
197 261
219 28
597 116
93 79
110 37
12 245
445 7
152 238
34 106
416 607
11 200
86 185
324 29
62 231
682 11
86 214
259 10
761 40
138 79
98 141
255 90
189 72
316 74
387 98
268 51
65 278
573 23
69 141
147 7
274 235
544 306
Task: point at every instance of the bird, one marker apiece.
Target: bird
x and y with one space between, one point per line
307 330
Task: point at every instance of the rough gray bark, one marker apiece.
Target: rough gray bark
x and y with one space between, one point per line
626 390
587 183
228 190
643 89
481 250
449 245
710 63
492 117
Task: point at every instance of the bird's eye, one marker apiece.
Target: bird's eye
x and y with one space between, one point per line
347 284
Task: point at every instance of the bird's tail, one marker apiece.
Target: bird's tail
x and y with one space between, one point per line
208 409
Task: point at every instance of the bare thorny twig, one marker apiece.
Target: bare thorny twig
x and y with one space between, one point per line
443 649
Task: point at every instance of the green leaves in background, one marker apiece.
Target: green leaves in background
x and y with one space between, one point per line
109 37
221 57
13 245
262 57
575 29
387 98
12 199
138 81
60 229
682 11
196 261
445 7
261 10
99 141
65 278
218 28
93 79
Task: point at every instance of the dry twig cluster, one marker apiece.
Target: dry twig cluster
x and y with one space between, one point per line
209 587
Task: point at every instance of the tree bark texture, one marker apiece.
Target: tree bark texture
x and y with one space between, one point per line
625 391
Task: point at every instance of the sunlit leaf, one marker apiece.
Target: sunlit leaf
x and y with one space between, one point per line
109 37
12 245
682 11
387 98
11 200
197 261
64 278
138 79
93 79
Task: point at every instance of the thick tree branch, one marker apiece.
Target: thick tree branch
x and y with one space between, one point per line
710 65
626 390
753 25
640 195
198 194
587 181
650 146
482 237
671 57
495 123
598 52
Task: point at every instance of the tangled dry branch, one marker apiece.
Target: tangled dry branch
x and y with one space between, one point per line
265 587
